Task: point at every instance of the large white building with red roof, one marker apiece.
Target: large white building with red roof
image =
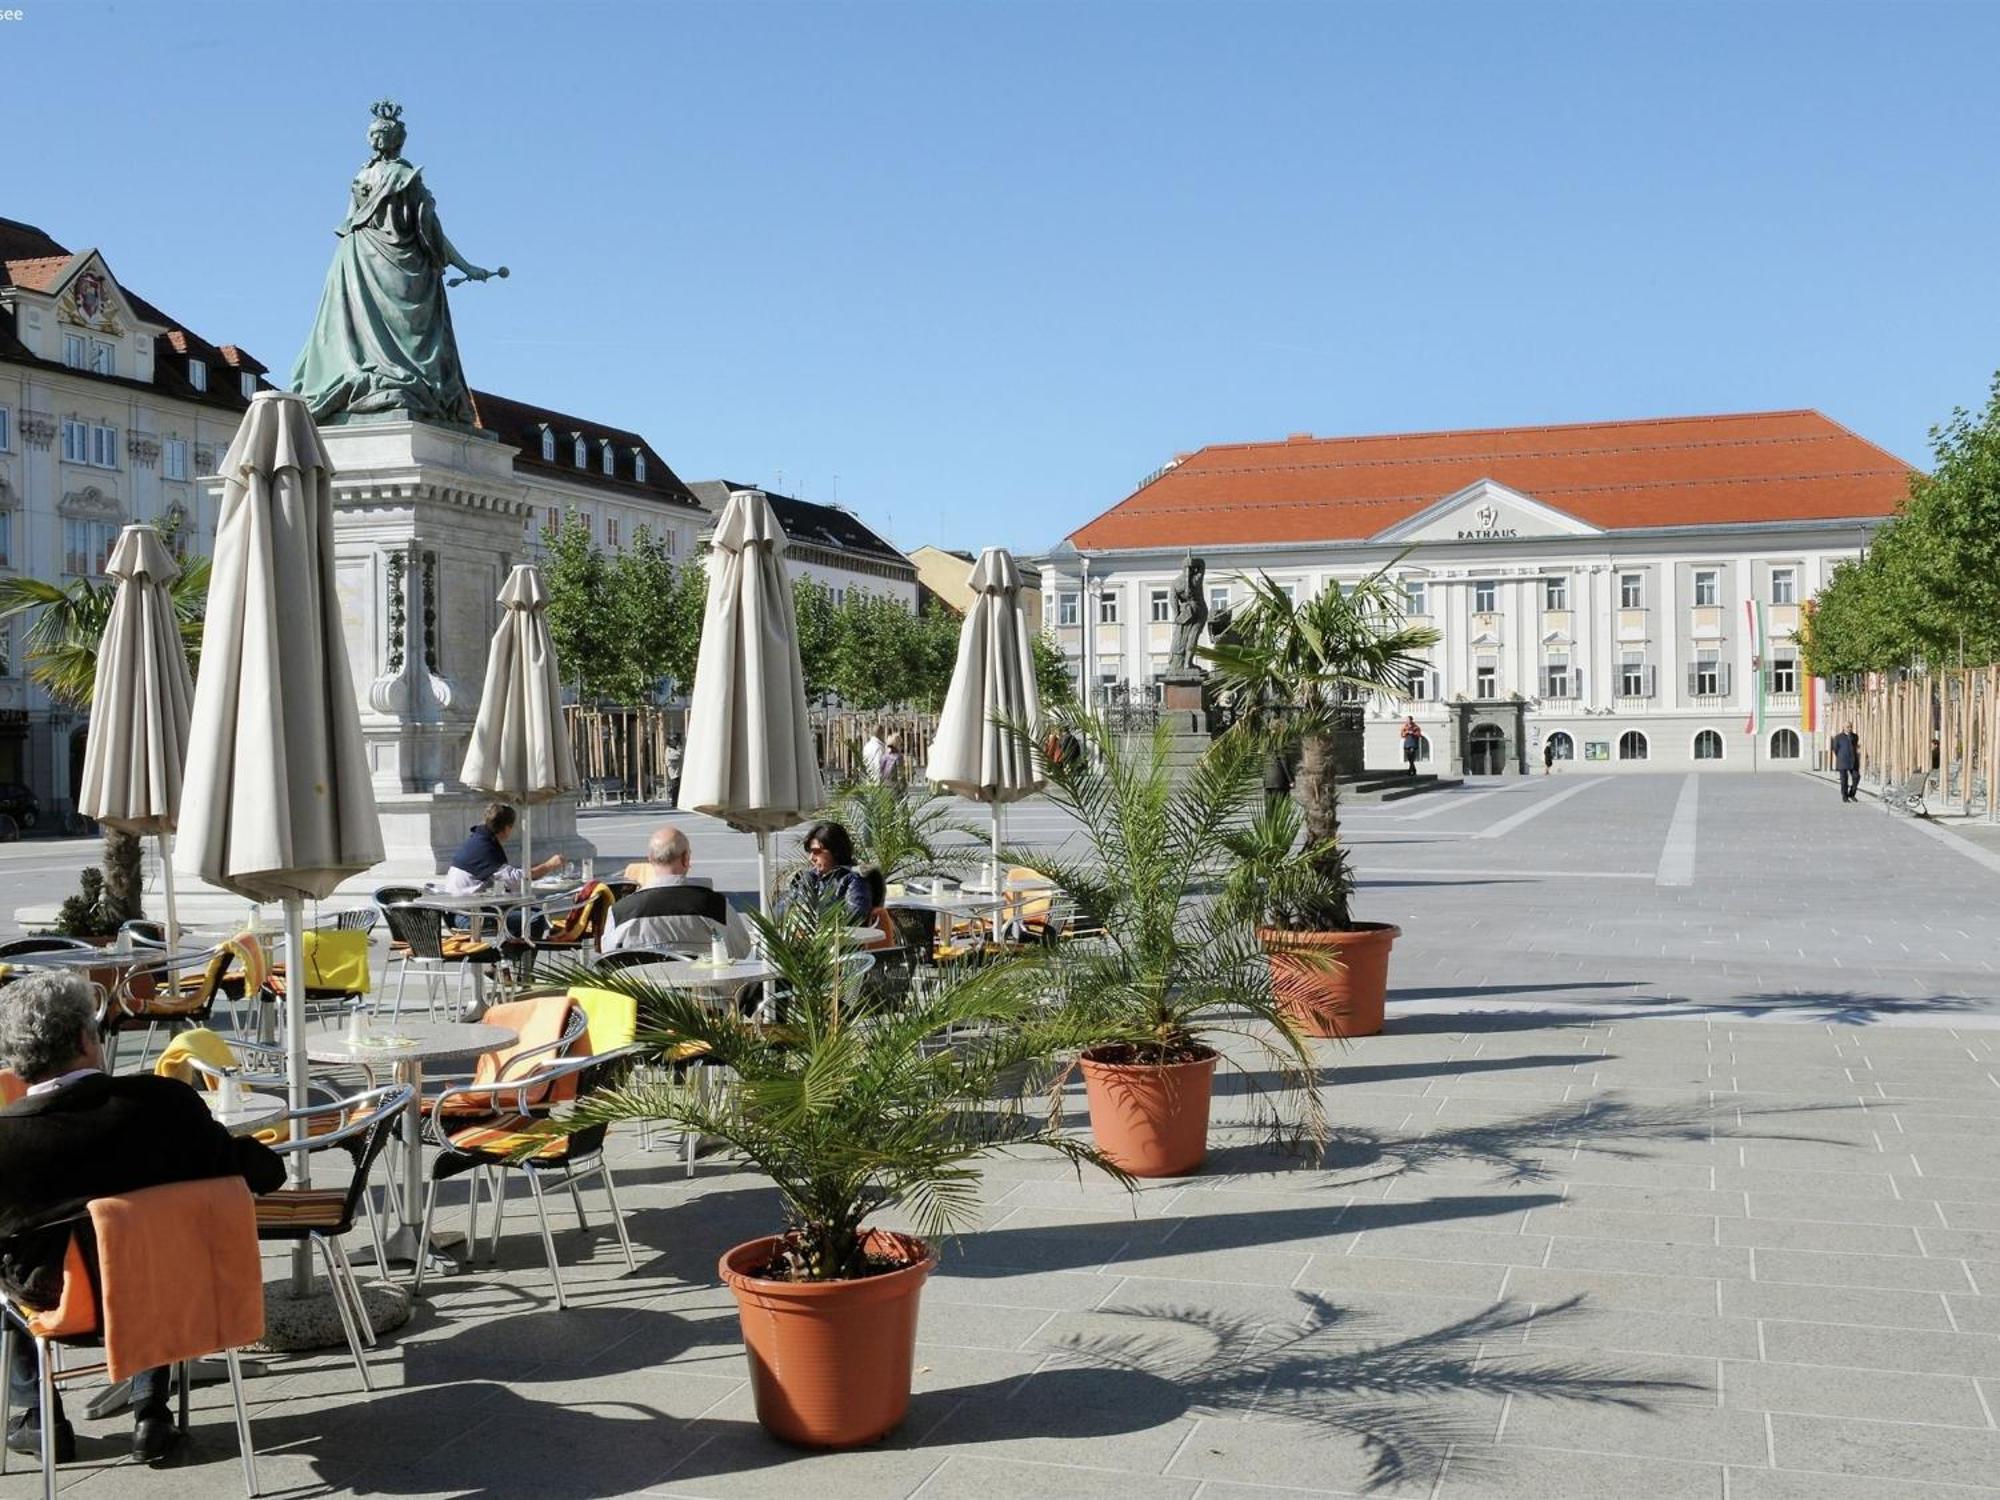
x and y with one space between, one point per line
1626 593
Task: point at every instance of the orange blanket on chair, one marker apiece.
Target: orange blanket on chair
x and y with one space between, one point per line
178 1273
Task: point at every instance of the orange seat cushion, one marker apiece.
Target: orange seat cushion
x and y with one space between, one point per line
504 1135
302 1208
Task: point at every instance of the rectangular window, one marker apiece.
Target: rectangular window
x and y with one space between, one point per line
1486 682
174 458
1160 607
103 358
76 351
104 447
1290 591
1707 588
1631 591
1218 598
1784 675
1632 676
1485 597
1784 586
198 374
1416 596
1418 686
1555 678
1555 593
610 528
1107 608
6 539
6 429
639 467
249 385
76 547
1707 675
1067 609
76 441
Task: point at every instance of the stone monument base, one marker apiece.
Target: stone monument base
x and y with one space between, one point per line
1184 690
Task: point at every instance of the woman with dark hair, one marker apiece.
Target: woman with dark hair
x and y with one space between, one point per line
481 863
830 876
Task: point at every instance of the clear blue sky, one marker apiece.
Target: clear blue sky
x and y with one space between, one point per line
989 264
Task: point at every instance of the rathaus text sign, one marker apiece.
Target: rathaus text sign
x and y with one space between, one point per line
1489 528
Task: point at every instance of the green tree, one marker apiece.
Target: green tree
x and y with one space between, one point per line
686 606
640 586
1053 683
61 652
583 622
818 625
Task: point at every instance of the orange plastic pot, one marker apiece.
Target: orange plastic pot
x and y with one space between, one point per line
830 1360
1150 1118
1343 998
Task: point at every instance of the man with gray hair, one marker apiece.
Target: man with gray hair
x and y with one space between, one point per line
670 911
79 1134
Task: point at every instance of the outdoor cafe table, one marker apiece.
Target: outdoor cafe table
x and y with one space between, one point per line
731 978
253 1110
497 903
409 1045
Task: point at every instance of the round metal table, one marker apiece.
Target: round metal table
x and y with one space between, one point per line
252 1113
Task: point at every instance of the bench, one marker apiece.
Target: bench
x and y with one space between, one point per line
1908 794
602 789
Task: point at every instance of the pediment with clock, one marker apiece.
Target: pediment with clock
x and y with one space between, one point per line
1485 511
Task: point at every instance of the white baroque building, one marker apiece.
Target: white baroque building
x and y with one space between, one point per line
1626 593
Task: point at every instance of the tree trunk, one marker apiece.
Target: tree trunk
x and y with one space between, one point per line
123 884
1317 787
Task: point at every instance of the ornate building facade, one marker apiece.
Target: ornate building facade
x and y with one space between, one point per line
1624 594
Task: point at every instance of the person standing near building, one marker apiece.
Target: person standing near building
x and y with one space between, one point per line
1413 744
1846 749
1549 755
871 756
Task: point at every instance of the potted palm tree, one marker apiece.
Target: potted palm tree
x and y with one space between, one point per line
852 1111
1175 968
1289 669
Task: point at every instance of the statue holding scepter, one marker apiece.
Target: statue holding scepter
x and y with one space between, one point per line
382 343
1190 614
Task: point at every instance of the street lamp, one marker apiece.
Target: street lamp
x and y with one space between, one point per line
1065 554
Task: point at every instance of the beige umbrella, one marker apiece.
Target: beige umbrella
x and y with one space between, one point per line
519 748
139 705
750 758
278 803
980 749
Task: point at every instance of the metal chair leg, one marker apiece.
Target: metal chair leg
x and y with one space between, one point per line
354 1294
6 1384
617 1214
477 1176
46 1373
339 1290
424 1237
576 1197
499 1215
242 1421
375 1231
548 1241
184 1380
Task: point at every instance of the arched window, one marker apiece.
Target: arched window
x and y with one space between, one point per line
1562 746
1784 744
578 455
638 466
1708 745
548 445
608 461
1631 745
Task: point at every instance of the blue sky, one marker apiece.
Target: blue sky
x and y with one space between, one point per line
989 264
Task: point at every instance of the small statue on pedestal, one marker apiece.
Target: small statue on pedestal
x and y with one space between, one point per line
1190 614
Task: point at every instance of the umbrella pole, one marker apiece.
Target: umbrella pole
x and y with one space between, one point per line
167 888
999 879
527 859
295 1068
764 873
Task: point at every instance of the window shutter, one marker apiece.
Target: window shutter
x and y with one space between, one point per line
1722 680
1437 685
1648 684
1694 681
1576 687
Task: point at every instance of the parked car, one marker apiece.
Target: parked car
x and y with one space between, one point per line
20 804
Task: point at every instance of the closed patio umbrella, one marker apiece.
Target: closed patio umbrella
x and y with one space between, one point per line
750 759
519 748
139 705
982 749
278 804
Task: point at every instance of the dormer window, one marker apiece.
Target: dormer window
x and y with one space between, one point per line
638 466
249 385
608 460
198 374
103 358
578 455
548 445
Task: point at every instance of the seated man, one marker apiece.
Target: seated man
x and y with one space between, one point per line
81 1134
669 912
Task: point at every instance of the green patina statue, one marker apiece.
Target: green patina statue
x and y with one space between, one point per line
382 344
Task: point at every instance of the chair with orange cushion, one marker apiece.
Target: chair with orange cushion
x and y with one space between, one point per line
577 931
498 1140
178 1277
418 936
180 992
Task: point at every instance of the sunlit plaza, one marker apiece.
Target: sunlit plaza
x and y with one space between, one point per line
632 861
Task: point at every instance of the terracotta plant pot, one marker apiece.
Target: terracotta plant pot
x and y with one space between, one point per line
1328 999
830 1360
1150 1118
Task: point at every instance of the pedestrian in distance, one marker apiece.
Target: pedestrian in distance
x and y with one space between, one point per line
1846 749
1413 744
1548 756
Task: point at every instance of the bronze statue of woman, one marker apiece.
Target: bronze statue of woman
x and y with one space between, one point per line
382 344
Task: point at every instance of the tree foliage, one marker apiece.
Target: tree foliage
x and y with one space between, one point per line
1928 589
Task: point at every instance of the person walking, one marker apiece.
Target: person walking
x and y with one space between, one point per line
1846 749
1413 744
1548 755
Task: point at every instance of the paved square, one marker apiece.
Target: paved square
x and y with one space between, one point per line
1674 1176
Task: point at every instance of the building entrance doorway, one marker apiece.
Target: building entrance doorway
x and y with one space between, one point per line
1487 753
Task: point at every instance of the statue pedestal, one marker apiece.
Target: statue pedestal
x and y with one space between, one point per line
427 522
1182 690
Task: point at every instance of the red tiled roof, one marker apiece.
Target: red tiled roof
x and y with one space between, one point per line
1668 471
37 274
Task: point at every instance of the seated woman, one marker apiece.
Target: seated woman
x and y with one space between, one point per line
481 863
830 878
